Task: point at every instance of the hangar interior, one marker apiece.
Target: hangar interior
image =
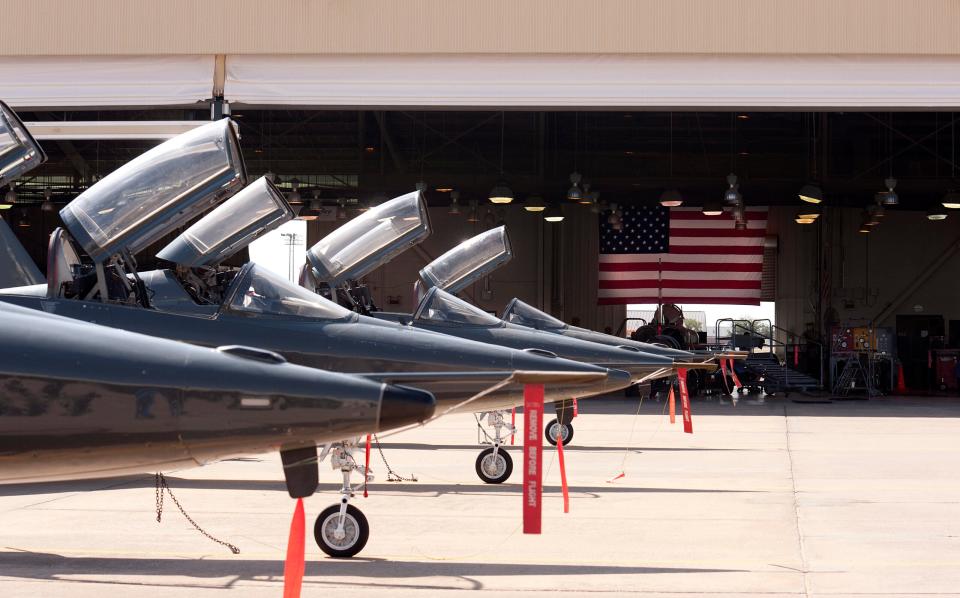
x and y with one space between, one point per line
899 274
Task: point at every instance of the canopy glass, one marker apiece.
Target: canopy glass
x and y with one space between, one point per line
19 151
256 209
256 290
518 312
158 191
440 306
371 239
469 261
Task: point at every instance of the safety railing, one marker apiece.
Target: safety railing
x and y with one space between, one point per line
767 331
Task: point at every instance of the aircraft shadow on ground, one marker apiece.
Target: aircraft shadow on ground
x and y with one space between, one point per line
573 448
433 489
47 566
795 405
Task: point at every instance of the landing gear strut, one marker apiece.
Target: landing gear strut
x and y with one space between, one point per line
341 530
562 426
494 464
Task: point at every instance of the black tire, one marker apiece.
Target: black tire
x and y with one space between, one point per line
552 438
356 526
494 472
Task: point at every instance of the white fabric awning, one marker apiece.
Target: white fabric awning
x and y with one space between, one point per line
94 81
560 81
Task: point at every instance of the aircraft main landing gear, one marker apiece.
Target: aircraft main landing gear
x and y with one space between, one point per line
342 530
562 426
494 464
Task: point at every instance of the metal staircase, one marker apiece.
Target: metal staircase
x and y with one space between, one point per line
777 377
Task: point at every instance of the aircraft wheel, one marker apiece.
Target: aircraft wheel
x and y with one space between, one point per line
551 432
355 527
494 469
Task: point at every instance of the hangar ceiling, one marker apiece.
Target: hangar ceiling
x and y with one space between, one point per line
625 156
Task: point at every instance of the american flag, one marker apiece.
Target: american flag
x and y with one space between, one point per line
681 256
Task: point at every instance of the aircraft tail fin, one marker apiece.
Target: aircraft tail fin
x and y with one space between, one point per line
17 269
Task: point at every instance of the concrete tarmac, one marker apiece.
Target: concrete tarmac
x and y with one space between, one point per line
780 499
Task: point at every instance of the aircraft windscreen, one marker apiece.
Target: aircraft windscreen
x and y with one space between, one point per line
19 151
439 306
154 193
523 314
255 209
260 291
363 243
469 260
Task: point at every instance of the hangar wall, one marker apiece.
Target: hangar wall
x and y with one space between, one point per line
115 27
868 271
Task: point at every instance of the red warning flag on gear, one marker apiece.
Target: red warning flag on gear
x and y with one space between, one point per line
673 405
532 458
685 401
295 564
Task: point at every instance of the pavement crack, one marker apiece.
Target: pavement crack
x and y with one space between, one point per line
805 569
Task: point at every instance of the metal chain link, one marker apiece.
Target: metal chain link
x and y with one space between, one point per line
161 485
392 476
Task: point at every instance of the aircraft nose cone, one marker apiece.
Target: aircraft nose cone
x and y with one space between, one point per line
402 406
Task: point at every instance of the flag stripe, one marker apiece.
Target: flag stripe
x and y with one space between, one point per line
666 258
731 233
701 266
700 283
684 298
717 249
702 275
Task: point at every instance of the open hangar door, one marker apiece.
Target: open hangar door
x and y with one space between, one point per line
345 130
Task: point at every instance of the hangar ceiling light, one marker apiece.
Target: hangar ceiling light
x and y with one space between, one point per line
937 213
671 198
501 194
574 193
732 194
712 208
553 214
534 204
811 193
889 197
951 200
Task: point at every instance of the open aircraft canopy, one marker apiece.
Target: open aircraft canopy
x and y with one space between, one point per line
19 151
257 291
524 314
469 261
153 194
256 209
371 239
440 306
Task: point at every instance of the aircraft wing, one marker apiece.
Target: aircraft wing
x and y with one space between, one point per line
497 381
511 377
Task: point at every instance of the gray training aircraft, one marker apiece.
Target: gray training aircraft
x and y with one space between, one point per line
83 401
92 276
365 243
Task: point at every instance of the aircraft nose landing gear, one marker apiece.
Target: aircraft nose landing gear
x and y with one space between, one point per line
555 428
494 464
342 530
